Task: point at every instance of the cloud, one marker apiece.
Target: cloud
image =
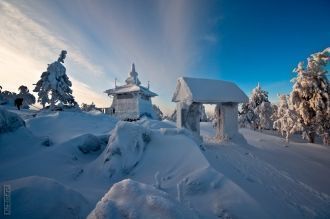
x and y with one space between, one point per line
210 38
102 39
26 48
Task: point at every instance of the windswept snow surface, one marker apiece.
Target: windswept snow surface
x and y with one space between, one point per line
287 180
40 197
90 156
62 126
131 199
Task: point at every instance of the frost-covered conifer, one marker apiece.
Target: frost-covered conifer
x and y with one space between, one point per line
7 97
28 98
88 107
264 112
248 116
286 119
310 96
258 96
54 85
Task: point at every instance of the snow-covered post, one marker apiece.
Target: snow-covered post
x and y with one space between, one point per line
218 122
227 121
179 111
188 116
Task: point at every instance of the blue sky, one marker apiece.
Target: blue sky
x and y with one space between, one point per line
242 41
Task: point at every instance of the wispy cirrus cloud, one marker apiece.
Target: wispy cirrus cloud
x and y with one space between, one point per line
26 48
102 39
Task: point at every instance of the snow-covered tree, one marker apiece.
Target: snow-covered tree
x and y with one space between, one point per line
43 89
7 97
310 96
258 96
274 112
54 85
28 98
286 122
248 116
264 112
158 113
88 107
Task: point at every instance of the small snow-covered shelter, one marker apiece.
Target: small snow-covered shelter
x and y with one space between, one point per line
191 93
131 101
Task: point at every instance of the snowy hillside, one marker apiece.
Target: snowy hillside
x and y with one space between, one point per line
92 165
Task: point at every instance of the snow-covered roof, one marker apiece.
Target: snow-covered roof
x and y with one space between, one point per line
208 91
129 88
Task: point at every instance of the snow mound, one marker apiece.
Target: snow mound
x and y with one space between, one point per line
155 124
131 199
40 197
66 125
125 149
10 121
89 143
206 185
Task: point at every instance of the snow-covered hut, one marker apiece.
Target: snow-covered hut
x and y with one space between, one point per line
191 93
131 101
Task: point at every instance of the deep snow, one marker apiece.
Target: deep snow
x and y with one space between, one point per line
263 177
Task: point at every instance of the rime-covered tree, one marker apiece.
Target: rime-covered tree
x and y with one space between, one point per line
28 98
264 112
88 107
7 97
43 89
54 85
310 96
248 116
286 119
258 96
274 113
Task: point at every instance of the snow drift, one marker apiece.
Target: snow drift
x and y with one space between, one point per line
125 149
40 197
67 125
9 121
131 199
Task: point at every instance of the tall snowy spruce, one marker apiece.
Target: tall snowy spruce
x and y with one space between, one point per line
310 96
257 112
285 119
54 86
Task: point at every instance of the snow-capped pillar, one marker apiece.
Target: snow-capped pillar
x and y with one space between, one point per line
219 122
227 121
193 118
188 116
179 114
